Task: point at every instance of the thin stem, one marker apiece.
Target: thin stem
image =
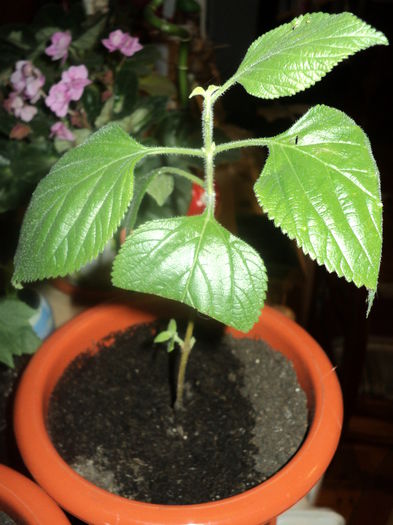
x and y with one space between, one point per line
158 150
183 173
246 143
222 89
185 350
182 70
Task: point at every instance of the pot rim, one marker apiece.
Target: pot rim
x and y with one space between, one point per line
254 506
24 500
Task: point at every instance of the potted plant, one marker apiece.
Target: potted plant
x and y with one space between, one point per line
320 184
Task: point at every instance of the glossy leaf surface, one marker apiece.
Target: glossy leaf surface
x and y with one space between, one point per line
196 261
294 56
320 184
77 208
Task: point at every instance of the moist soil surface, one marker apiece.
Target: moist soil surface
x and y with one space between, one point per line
111 417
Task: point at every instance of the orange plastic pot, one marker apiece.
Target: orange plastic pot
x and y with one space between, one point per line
258 506
26 502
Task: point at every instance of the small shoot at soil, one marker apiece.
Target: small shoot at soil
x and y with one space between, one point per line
171 337
320 185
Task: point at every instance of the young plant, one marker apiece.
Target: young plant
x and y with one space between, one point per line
320 185
171 337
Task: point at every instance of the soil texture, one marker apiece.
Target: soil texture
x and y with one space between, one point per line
111 417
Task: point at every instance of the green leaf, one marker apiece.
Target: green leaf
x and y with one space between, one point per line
89 37
294 56
161 187
81 135
45 33
17 336
144 174
125 90
61 146
320 184
196 261
163 337
143 61
77 208
91 101
176 205
106 114
155 84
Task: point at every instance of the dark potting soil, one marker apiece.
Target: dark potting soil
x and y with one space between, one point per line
111 417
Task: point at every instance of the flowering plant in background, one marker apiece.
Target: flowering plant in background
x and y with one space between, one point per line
26 83
123 42
71 86
60 43
62 78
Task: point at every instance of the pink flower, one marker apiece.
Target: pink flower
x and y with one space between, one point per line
123 42
71 86
16 104
75 78
61 131
60 42
27 80
58 99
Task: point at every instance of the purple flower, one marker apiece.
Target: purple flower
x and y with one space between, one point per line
60 42
27 80
123 42
60 131
75 78
16 104
58 99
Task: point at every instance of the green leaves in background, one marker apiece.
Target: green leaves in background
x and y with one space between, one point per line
89 37
22 165
155 84
17 336
161 187
320 184
294 56
77 208
125 90
196 261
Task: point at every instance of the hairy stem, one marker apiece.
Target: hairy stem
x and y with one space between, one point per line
163 150
209 151
246 143
182 173
185 350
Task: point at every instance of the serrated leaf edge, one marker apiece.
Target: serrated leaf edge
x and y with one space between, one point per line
376 33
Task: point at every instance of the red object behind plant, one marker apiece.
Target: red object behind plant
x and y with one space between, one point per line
198 199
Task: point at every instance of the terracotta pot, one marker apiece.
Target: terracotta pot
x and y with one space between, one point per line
26 502
257 506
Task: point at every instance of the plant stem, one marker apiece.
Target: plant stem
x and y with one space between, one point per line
242 144
183 173
158 150
178 31
209 151
185 350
